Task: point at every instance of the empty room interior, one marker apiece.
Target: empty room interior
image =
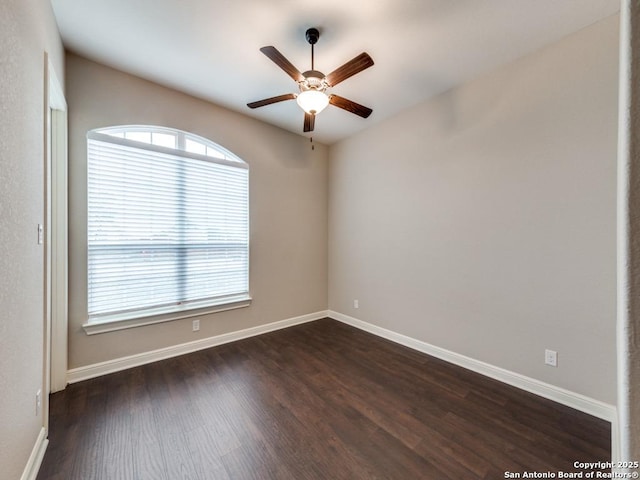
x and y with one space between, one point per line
328 240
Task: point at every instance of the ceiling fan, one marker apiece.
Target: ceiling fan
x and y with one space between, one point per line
313 85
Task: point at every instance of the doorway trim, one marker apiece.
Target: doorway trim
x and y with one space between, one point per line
57 219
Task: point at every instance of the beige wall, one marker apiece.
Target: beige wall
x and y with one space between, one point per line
27 31
483 221
288 205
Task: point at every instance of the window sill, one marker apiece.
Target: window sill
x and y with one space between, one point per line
121 322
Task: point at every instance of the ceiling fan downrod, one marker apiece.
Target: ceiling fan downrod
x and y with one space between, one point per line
312 35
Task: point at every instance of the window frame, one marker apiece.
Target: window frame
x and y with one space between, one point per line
117 321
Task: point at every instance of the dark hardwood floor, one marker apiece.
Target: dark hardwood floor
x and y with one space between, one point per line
316 401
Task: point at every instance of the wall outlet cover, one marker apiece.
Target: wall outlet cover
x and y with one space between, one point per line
551 358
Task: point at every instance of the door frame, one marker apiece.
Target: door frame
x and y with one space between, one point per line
56 251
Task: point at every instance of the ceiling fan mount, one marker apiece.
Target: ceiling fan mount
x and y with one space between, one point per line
312 35
313 84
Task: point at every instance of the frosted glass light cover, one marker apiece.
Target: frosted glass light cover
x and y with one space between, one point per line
312 101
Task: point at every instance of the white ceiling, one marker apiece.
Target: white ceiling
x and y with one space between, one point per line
210 48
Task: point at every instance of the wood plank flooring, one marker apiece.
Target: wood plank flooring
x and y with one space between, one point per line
317 401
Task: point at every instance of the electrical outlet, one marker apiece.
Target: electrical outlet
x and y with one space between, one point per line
551 358
195 325
356 304
38 402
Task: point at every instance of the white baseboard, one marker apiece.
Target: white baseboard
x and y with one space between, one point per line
615 441
35 459
580 402
98 369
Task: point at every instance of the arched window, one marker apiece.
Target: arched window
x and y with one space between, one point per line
167 226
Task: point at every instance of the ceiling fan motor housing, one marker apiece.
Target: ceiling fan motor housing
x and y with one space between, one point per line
313 80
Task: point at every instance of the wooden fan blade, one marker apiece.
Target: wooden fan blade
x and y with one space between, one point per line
309 122
269 101
356 65
350 106
280 60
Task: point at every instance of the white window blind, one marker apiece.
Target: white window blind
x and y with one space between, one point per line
168 229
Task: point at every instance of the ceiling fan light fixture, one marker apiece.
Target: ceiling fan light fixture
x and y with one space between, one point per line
312 101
